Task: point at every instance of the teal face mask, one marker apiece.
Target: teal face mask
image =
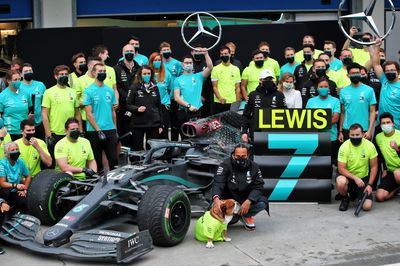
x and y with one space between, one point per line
146 79
16 84
323 91
157 64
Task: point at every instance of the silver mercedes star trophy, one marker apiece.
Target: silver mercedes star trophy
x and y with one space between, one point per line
201 31
366 16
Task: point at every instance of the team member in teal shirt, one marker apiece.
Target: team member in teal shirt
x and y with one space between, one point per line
99 101
188 88
291 65
389 100
326 101
36 88
139 58
358 105
14 104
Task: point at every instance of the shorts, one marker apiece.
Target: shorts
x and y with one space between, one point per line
388 183
355 191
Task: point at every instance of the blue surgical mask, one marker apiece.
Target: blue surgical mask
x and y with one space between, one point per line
323 91
16 84
157 64
387 129
146 79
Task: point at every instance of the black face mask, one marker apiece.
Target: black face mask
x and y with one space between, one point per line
265 53
166 55
74 134
197 57
290 59
364 79
136 49
365 39
269 85
240 163
328 52
347 61
107 61
83 68
14 155
28 76
224 58
307 57
259 63
355 79
128 56
391 75
383 60
62 80
101 76
29 136
355 141
327 66
320 72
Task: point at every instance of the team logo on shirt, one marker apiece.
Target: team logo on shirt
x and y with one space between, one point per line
362 96
249 178
274 100
193 81
83 150
233 179
394 92
70 97
363 154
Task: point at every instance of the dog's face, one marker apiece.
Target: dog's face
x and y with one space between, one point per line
229 207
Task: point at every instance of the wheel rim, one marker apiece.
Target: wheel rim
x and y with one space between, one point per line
57 207
178 217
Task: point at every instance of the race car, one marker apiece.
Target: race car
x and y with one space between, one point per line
158 190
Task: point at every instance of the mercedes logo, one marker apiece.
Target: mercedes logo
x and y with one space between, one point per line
52 232
201 31
366 16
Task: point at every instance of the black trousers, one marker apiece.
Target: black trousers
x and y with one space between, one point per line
166 114
185 116
51 148
174 121
13 199
219 107
109 147
123 127
137 137
39 132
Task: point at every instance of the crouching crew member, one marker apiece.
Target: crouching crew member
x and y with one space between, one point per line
240 179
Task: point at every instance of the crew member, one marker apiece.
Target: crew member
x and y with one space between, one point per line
240 179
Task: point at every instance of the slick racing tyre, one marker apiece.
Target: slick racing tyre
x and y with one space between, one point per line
165 211
43 196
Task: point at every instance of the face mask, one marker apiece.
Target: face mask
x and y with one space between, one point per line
83 67
101 76
265 53
347 60
355 141
307 57
107 60
63 80
328 52
388 128
269 85
197 57
366 39
290 59
391 75
157 64
29 136
327 66
224 58
16 84
74 134
241 163
321 72
128 56
259 63
14 155
136 49
383 60
288 85
166 55
146 79
364 79
355 79
188 68
323 91
28 76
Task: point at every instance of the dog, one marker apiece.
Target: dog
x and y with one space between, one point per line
213 227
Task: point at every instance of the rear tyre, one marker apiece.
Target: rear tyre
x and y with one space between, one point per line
165 211
43 196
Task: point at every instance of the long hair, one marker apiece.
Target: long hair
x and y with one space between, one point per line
283 79
161 74
138 77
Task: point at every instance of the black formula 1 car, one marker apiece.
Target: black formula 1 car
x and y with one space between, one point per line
158 190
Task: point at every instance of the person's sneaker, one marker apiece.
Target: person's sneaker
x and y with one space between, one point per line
248 223
344 205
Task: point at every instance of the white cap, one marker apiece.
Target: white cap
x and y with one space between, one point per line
266 74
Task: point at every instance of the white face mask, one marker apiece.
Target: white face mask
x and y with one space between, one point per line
387 128
188 68
288 85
